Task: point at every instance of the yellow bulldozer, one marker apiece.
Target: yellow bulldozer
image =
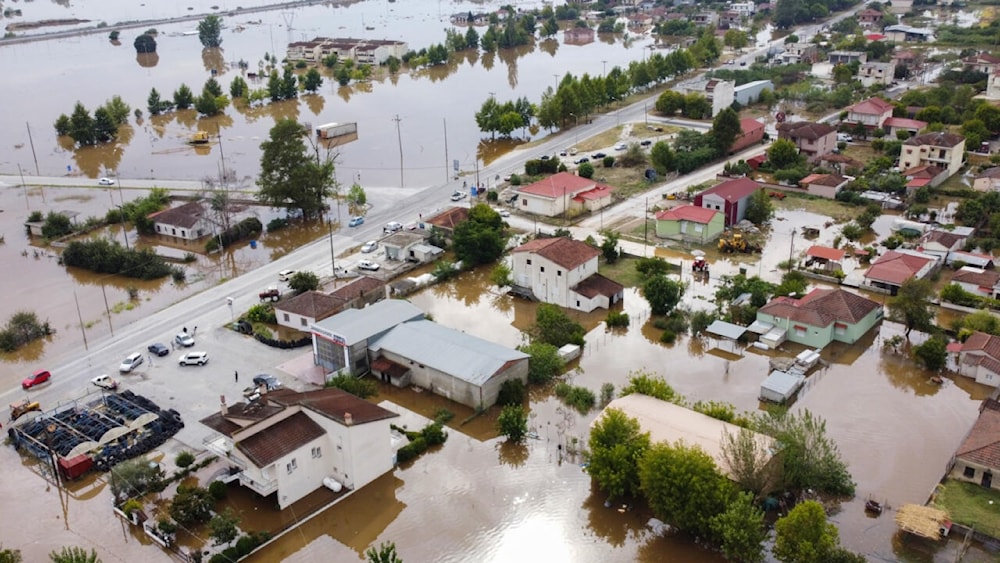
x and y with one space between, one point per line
737 242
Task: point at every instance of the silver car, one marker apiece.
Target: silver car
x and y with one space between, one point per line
130 363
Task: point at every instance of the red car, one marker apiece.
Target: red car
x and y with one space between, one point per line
37 378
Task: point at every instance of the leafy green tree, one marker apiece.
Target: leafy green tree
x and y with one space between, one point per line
223 527
238 88
615 447
386 553
783 154
804 535
56 225
10 556
210 31
134 477
809 458
289 84
740 529
74 555
81 126
183 97
663 158
501 275
482 238
842 74
735 38
585 170
191 505
555 327
213 87
747 459
153 103
683 487
609 247
118 110
302 282
662 293
912 305
760 210
652 386
312 80
145 43
274 86
670 102
545 362
513 423
289 176
792 283
62 125
726 129
932 353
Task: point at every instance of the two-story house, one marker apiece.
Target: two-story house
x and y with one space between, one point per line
982 62
563 272
730 197
814 140
796 53
871 113
979 358
944 150
564 193
847 57
288 444
869 18
870 73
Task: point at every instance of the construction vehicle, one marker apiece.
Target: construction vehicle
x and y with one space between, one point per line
737 242
199 138
272 294
22 407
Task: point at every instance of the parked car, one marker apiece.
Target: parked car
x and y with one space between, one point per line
368 265
37 378
269 382
243 327
370 246
844 137
544 157
581 160
355 221
130 362
285 275
184 340
621 147
392 227
105 382
458 195
645 142
598 155
504 213
158 349
106 182
194 358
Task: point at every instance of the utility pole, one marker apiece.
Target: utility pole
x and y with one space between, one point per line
447 176
791 250
27 203
399 138
645 225
333 258
32 143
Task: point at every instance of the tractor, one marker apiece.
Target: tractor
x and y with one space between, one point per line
272 294
699 267
737 243
22 407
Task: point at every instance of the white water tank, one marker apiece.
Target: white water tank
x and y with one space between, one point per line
332 484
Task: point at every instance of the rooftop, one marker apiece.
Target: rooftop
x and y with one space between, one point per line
805 129
938 139
874 106
559 185
334 404
733 190
821 307
826 253
185 216
280 439
981 278
312 304
449 218
596 285
691 213
566 252
896 267
355 325
982 444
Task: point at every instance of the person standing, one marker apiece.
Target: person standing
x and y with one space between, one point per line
236 376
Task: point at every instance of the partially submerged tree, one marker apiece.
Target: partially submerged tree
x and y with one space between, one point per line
809 458
615 447
747 457
74 554
912 305
740 530
804 535
386 553
290 177
554 326
210 31
513 423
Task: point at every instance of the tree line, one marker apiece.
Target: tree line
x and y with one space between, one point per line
101 127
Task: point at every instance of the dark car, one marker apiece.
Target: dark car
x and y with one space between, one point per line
158 349
243 327
269 382
645 142
37 378
598 155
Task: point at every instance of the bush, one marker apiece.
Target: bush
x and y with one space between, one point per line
607 393
218 490
434 434
513 423
359 387
617 319
22 328
411 450
56 225
261 313
184 459
668 337
580 398
276 224
512 392
106 257
249 227
443 415
585 170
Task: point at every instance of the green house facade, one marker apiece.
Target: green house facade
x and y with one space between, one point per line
690 223
821 317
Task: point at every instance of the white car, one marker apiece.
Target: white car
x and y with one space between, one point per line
504 213
130 363
458 196
368 265
105 382
184 340
194 358
621 147
105 182
370 246
392 227
285 275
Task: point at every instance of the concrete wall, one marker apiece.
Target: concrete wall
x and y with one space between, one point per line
292 320
958 472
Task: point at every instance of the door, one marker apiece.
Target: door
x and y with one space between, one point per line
987 480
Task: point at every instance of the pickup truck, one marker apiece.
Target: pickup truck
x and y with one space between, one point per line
272 294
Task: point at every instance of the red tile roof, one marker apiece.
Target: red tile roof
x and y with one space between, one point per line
600 192
871 106
981 278
804 130
826 253
821 307
687 213
563 251
598 285
990 173
981 58
313 304
832 180
874 36
748 125
450 217
939 139
982 444
733 190
358 288
904 123
896 267
982 342
559 185
944 238
280 439
184 216
333 404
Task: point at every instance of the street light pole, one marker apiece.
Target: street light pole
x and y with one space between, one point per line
121 215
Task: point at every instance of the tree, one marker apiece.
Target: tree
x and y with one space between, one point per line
554 327
911 305
842 74
609 247
501 275
312 80
735 38
302 282
10 556
804 535
809 458
183 98
747 459
81 126
482 238
134 477
238 88
74 555
545 362
145 43
223 527
356 195
662 293
585 170
726 129
683 486
760 210
783 154
191 505
289 84
386 553
513 423
616 446
932 353
290 177
741 531
792 283
153 103
210 31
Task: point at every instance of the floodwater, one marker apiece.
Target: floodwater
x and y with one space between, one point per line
92 70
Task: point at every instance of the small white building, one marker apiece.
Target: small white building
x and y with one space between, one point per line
780 387
720 93
187 222
871 73
563 272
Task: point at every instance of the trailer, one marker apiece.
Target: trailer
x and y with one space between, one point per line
331 130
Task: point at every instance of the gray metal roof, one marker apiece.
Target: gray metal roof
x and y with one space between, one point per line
782 383
726 330
461 355
355 325
760 327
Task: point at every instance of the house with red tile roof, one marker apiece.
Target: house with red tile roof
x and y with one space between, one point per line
982 62
869 18
301 311
564 193
977 460
690 223
751 132
941 242
563 271
944 150
447 219
825 257
286 443
821 317
896 266
977 281
980 358
894 125
871 113
813 139
730 197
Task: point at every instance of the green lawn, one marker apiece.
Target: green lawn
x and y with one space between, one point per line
970 505
623 271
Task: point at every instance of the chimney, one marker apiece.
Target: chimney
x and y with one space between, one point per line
348 419
224 409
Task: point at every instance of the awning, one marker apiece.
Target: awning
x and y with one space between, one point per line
760 327
726 330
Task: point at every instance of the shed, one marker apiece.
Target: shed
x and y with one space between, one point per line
923 521
781 386
774 337
726 331
424 253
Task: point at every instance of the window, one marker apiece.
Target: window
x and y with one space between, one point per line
173 232
800 330
839 328
285 315
303 321
558 272
969 473
529 261
524 202
542 268
291 466
317 452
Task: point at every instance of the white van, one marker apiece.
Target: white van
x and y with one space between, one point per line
392 227
844 137
285 275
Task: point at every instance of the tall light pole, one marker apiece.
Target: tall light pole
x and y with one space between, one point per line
121 215
399 138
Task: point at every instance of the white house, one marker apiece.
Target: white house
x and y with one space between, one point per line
871 73
720 93
562 193
944 150
187 222
563 272
977 281
979 358
287 443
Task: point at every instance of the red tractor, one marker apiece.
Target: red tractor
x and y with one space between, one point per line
272 294
699 267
